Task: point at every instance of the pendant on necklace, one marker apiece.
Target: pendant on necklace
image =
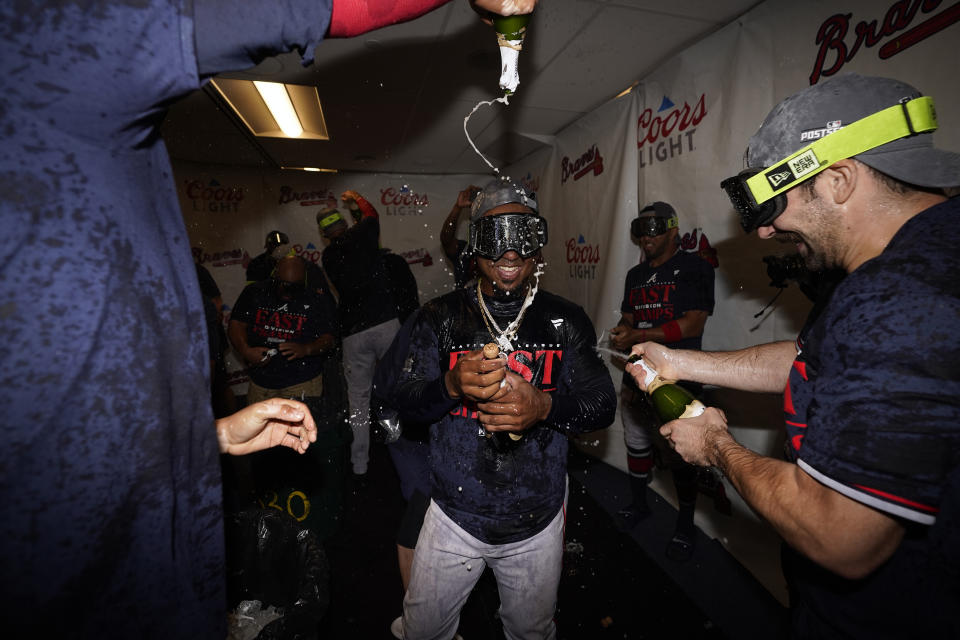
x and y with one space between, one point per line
504 343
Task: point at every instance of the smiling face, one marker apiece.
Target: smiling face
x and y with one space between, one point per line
509 273
657 249
811 226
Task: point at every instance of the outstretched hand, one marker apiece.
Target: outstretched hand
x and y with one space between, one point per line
465 197
267 424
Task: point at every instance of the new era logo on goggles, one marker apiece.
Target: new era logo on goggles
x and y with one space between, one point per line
758 195
492 236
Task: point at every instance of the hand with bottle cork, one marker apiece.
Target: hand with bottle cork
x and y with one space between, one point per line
505 402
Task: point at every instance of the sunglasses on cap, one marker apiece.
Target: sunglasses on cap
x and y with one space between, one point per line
759 195
652 226
492 236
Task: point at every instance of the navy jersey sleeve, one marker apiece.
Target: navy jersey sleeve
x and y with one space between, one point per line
232 35
881 426
585 399
409 377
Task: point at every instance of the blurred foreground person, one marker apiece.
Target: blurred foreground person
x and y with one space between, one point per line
111 517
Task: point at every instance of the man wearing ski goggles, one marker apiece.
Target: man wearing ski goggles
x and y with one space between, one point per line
759 194
523 231
653 225
492 236
865 498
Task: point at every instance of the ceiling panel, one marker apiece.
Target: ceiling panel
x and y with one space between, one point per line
394 99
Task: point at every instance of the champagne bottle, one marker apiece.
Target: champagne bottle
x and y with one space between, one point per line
670 400
491 351
510 32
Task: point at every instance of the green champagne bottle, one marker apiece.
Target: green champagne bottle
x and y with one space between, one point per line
670 400
510 32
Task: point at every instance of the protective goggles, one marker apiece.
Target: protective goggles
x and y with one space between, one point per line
652 226
758 195
492 236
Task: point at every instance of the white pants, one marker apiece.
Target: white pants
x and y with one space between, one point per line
361 351
448 562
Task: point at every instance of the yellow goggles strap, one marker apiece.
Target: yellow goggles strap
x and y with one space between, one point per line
330 219
907 118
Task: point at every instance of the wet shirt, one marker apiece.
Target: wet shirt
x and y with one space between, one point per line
353 264
496 489
657 295
111 515
872 411
272 321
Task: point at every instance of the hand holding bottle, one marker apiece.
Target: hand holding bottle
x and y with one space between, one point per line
491 351
656 356
700 440
670 400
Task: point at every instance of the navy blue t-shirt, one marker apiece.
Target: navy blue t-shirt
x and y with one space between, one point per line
271 321
499 494
873 411
354 265
658 295
110 495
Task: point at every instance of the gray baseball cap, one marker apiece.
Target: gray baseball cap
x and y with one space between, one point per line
501 190
659 210
826 107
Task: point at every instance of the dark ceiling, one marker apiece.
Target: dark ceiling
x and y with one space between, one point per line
395 99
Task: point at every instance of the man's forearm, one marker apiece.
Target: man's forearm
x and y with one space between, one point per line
831 529
761 368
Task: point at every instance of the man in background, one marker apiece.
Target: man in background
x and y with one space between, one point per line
275 246
667 299
284 332
464 266
367 309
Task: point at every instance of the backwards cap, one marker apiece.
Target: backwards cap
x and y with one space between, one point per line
276 238
499 191
824 108
329 218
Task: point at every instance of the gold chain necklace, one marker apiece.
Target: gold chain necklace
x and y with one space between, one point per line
504 337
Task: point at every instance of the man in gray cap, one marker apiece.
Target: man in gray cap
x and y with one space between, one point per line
867 499
499 423
667 299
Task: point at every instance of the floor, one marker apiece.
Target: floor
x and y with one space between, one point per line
616 583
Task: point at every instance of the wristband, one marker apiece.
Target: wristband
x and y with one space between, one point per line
671 331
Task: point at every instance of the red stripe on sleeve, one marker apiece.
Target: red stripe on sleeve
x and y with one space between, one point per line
353 17
904 501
